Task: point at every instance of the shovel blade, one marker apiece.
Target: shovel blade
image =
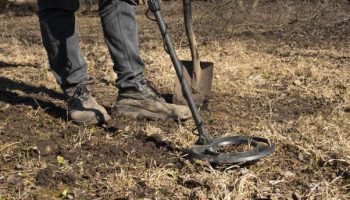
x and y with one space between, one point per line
204 83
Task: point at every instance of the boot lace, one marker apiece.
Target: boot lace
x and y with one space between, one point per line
79 93
149 88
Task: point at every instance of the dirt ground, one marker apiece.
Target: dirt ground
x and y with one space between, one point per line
282 71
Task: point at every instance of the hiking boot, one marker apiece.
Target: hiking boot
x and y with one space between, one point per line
83 109
146 102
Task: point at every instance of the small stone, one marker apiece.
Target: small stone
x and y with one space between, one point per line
18 167
12 179
277 190
288 175
300 157
243 171
297 82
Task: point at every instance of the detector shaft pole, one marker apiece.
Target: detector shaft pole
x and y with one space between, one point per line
204 137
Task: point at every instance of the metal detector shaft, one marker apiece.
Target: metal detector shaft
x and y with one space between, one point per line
204 138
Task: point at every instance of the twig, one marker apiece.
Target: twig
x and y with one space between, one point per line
7 146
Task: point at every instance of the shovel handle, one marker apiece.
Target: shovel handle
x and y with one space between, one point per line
187 9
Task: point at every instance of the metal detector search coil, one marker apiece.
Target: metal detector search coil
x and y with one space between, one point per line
206 148
261 147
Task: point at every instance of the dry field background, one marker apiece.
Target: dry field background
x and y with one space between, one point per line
281 71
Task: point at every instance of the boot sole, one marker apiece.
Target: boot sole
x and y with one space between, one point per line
135 113
87 123
90 122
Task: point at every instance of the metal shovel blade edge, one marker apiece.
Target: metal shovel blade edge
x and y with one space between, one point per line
204 84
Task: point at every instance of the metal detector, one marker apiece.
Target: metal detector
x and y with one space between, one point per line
206 147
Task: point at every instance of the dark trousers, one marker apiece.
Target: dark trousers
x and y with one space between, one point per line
61 41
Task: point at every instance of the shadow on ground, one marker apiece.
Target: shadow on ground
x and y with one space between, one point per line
34 97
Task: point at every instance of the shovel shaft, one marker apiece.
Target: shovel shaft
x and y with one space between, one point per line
204 138
187 9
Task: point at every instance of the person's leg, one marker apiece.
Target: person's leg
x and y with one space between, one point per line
121 36
136 97
60 39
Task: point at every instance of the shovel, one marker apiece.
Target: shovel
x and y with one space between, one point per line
198 75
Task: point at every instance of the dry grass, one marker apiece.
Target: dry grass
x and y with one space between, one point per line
281 72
